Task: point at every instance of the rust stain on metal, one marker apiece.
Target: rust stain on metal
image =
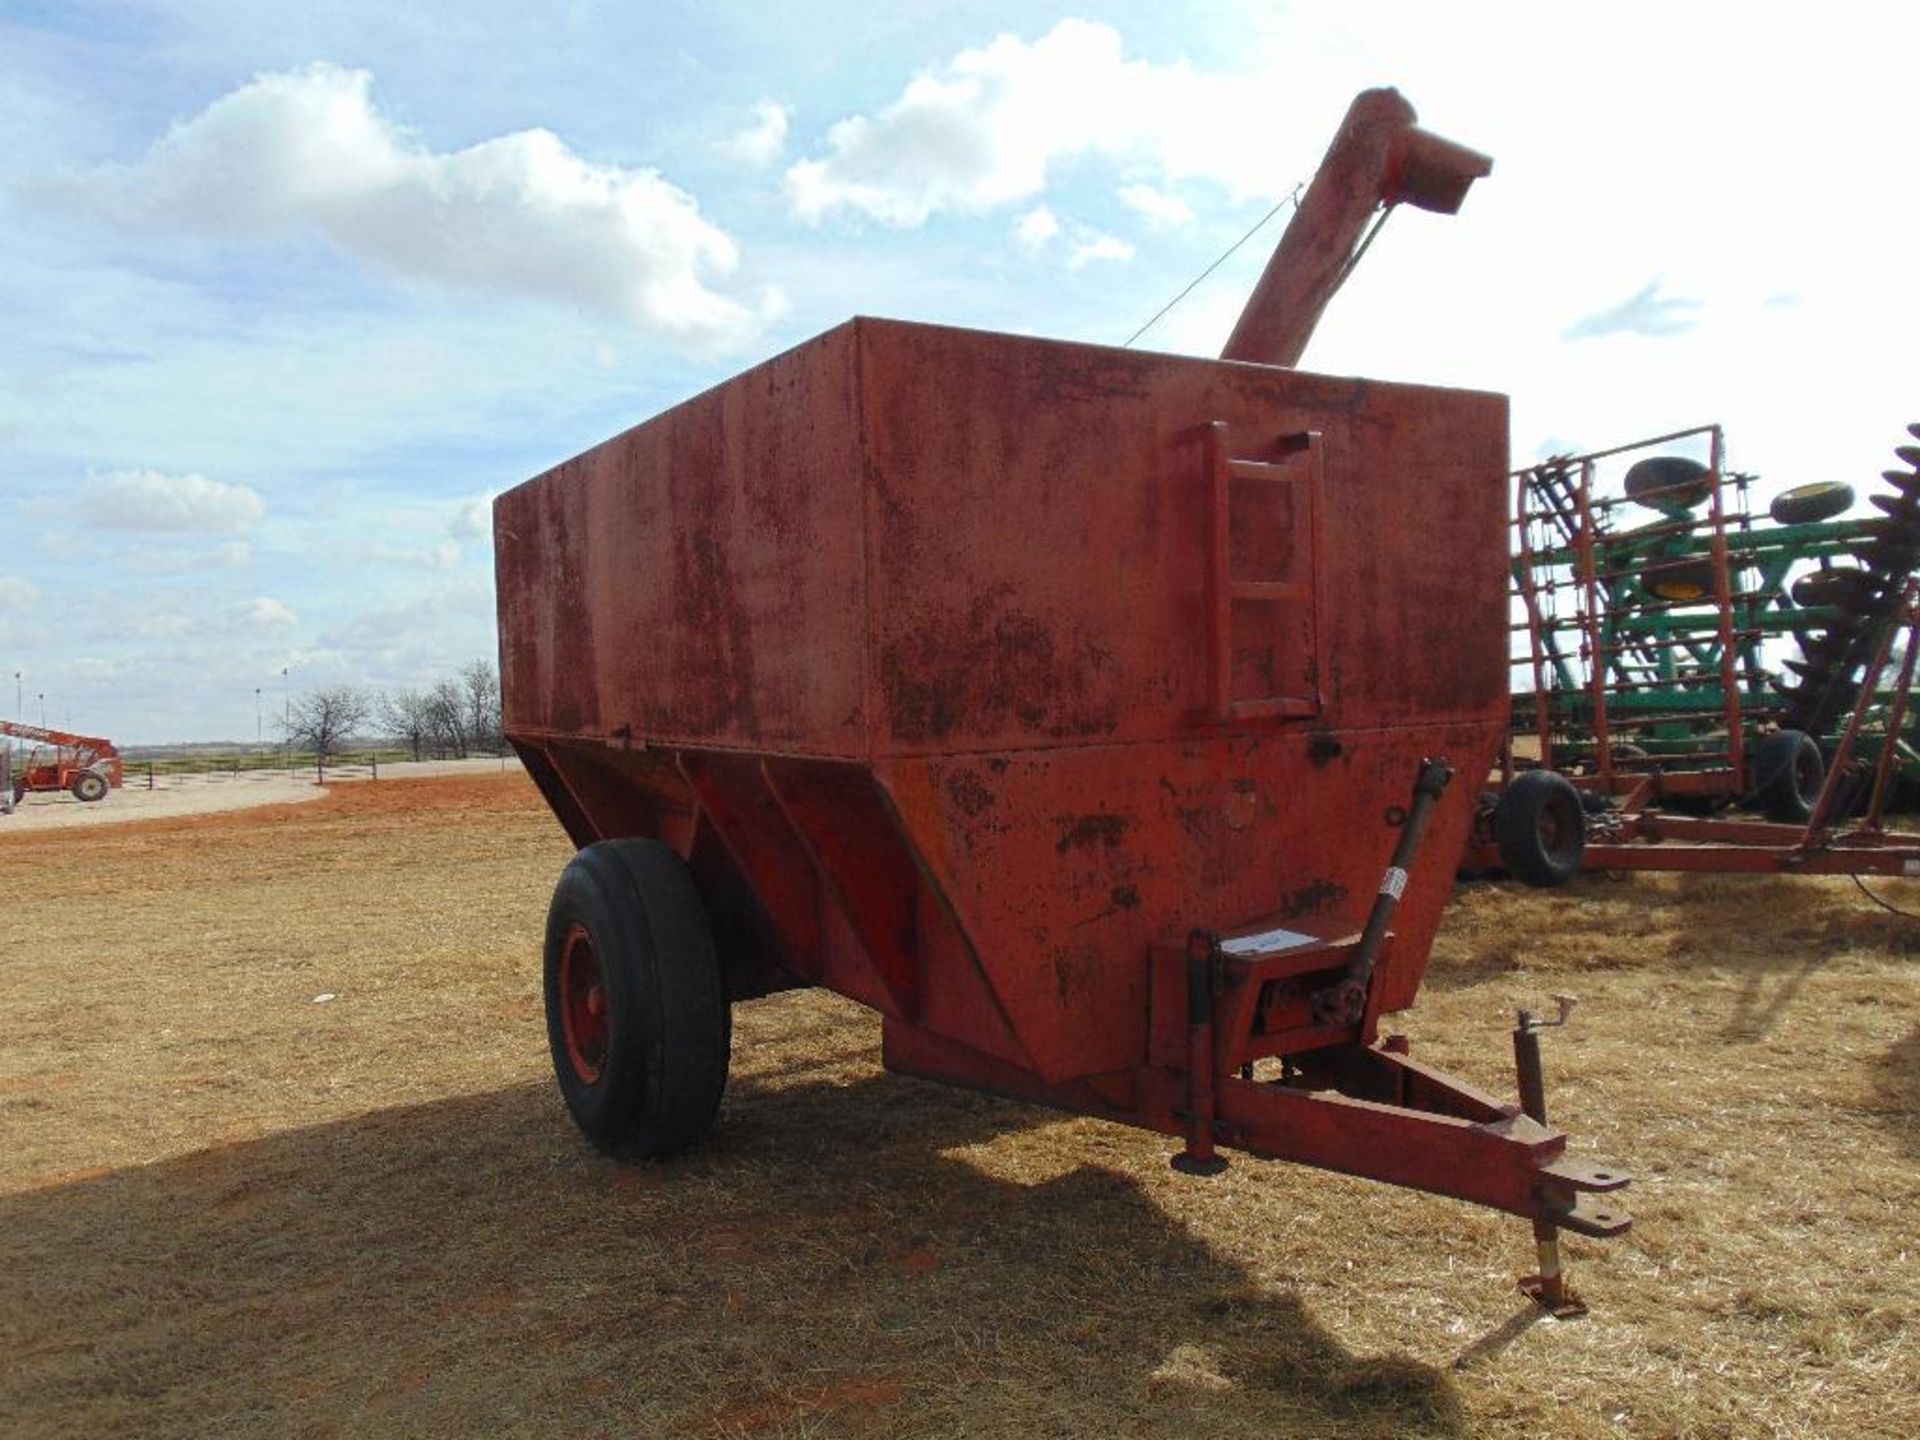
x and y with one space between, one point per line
1311 899
1089 831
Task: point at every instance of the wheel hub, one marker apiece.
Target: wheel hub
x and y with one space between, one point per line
583 1005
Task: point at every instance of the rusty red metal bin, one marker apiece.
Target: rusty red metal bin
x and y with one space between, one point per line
1080 710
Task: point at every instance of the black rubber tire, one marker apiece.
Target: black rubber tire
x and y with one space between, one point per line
669 1029
1787 775
1662 481
1680 581
88 786
1806 504
1837 585
1540 829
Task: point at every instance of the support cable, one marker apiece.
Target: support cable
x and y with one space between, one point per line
1292 197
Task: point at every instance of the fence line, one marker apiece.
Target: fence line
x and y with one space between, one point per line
242 769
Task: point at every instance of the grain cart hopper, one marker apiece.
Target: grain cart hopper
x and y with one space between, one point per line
1087 713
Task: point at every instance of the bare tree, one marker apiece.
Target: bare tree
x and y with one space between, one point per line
482 688
447 705
408 717
321 720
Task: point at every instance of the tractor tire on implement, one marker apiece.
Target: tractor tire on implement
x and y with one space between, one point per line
88 786
1681 582
1837 585
637 1013
1809 504
1540 829
1660 481
1788 774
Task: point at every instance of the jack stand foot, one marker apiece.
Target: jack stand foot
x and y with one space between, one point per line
1553 1295
1189 1164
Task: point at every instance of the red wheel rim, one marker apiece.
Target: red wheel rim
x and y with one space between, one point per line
1553 828
583 1005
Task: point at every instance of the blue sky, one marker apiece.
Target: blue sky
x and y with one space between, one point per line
289 292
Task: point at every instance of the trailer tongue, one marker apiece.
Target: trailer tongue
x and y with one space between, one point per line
1082 711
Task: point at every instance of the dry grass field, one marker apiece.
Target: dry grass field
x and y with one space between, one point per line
279 1156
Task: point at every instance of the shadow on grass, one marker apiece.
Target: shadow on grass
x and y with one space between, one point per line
1766 995
1898 1087
821 1267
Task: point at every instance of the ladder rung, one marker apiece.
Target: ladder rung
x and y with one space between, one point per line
1268 590
1260 470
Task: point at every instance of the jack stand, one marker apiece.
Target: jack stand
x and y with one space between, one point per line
1548 1289
1199 1157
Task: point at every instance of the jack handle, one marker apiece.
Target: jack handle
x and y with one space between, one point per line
1345 1001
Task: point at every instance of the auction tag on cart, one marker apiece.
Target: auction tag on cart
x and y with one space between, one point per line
1266 942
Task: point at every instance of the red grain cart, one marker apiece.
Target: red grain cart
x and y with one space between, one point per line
1080 710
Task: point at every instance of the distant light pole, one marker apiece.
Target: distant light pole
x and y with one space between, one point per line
43 709
19 708
286 710
259 731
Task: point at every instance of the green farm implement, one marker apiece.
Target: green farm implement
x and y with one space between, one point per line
1680 655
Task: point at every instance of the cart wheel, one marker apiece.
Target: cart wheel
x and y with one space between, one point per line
1680 581
1840 585
88 785
1540 828
1788 773
1662 481
1804 504
637 1014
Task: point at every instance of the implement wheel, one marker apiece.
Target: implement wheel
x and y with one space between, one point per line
1787 776
1806 504
1681 582
637 1014
1663 481
88 786
1540 829
1847 585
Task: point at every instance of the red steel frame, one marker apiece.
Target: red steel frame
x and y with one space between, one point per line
1820 847
1728 778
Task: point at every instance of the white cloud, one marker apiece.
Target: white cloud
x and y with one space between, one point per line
151 500
987 129
263 612
164 625
1094 246
473 519
213 621
1159 207
774 304
307 150
1035 228
440 555
762 142
1647 312
17 594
